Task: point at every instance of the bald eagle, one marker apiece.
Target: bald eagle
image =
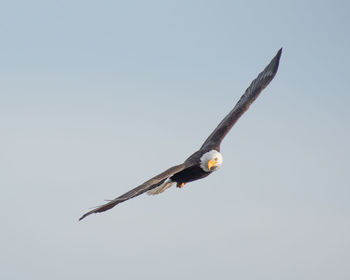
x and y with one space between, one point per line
208 158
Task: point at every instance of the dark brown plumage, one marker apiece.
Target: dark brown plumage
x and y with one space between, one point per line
192 168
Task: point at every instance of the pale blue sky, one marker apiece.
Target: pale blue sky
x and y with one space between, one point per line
98 96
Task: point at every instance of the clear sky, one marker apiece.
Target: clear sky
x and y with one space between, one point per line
98 96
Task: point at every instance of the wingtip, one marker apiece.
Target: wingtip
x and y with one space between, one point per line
82 217
279 53
85 215
275 62
102 208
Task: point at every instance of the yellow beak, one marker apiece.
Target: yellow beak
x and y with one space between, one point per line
211 163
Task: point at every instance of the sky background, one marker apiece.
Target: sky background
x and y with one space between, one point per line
98 96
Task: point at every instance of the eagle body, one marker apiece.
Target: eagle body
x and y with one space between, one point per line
202 164
189 174
208 158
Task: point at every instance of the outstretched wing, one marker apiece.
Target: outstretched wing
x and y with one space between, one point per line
146 186
251 93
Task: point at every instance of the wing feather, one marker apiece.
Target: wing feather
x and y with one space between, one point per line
146 186
251 93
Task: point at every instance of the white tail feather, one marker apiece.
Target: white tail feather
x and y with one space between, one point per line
157 190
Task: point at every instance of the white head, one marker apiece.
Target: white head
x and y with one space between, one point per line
211 161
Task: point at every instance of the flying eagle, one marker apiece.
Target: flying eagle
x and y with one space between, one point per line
208 158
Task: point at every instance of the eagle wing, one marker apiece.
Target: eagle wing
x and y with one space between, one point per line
146 186
251 93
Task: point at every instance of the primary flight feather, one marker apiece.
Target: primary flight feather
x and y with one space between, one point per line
208 158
